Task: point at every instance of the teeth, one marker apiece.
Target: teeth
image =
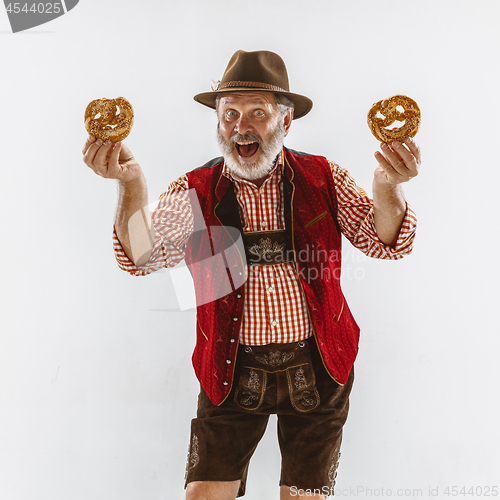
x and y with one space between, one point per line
245 143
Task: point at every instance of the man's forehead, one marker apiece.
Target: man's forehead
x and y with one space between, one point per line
248 97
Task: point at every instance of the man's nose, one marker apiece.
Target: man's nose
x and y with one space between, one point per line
243 125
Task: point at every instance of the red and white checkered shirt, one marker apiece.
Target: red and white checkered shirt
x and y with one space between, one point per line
275 308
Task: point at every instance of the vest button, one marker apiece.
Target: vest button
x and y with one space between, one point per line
238 296
228 361
235 319
232 340
225 383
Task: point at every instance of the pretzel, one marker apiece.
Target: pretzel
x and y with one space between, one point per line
109 119
388 109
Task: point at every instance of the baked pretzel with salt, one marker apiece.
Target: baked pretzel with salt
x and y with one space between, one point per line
109 119
384 113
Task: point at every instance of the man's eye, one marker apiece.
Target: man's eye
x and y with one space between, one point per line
231 113
259 112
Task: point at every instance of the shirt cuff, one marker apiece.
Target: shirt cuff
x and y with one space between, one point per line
404 243
127 265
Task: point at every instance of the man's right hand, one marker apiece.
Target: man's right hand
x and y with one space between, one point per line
111 160
132 222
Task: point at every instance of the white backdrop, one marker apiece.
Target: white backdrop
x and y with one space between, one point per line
96 385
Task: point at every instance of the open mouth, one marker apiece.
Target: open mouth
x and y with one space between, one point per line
246 149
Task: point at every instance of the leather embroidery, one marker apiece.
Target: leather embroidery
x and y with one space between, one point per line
276 358
266 250
300 379
253 381
302 387
332 473
194 457
293 361
250 392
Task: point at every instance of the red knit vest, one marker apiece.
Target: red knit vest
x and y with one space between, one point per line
218 268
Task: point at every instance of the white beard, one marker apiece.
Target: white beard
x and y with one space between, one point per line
252 169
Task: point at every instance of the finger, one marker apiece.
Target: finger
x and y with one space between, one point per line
415 150
125 154
392 175
89 156
115 153
88 142
113 161
393 158
101 158
409 160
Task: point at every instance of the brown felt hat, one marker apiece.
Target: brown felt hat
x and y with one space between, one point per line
259 71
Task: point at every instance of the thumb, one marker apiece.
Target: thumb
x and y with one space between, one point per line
125 153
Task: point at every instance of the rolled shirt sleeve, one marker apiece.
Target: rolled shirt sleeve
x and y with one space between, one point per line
356 220
172 220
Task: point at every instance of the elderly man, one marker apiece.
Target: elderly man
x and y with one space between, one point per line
280 337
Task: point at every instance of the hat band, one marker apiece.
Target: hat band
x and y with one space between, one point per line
258 85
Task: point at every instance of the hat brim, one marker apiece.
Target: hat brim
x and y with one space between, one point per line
302 104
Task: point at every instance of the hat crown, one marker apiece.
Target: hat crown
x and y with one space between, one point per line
261 66
259 71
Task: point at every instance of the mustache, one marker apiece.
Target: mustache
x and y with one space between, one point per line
245 137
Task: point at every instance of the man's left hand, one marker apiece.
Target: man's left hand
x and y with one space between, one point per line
398 162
